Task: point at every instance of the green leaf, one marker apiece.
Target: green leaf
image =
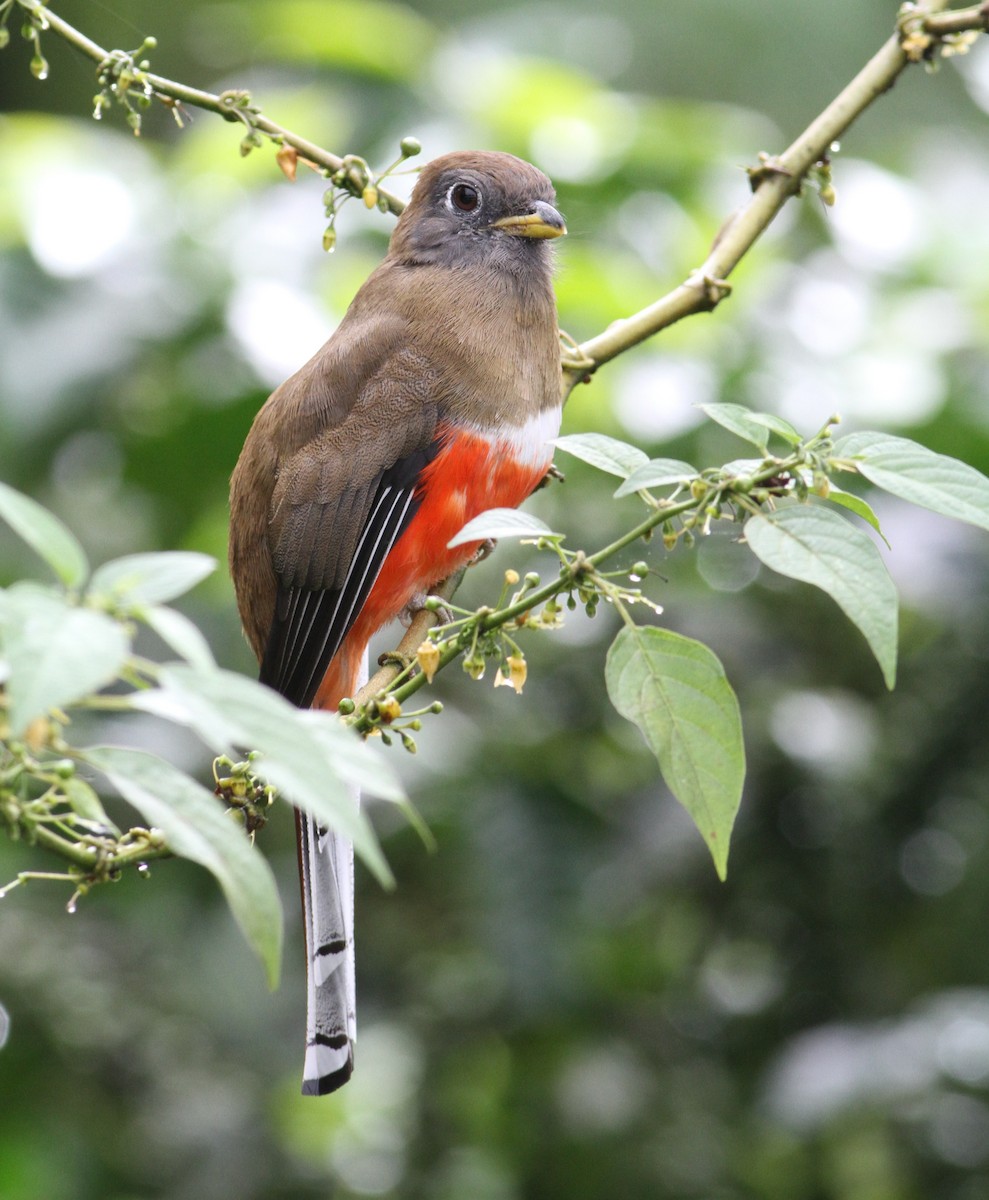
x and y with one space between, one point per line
738 468
139 579
86 804
45 534
675 690
177 631
196 827
777 425
936 481
55 653
499 523
740 421
813 544
856 505
318 772
605 453
656 473
363 769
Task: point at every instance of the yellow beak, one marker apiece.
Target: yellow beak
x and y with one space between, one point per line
543 222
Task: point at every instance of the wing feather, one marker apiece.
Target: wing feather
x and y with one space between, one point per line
310 623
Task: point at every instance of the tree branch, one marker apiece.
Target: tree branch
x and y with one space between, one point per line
921 30
231 105
959 21
777 179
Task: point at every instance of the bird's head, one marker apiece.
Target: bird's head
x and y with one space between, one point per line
479 208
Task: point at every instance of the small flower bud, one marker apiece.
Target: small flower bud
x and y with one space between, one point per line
37 734
346 706
410 146
511 577
287 158
670 541
39 67
532 579
517 671
329 239
389 709
428 658
370 196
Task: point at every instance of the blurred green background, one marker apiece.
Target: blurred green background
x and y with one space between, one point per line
562 1001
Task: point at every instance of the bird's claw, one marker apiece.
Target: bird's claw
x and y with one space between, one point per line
552 472
483 551
392 658
417 605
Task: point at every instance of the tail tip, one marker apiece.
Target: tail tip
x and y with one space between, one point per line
329 1064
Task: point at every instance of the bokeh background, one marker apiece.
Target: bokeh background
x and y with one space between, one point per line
562 1001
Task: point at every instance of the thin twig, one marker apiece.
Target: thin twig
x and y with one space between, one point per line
221 104
774 182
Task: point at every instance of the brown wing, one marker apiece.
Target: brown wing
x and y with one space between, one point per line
340 501
321 588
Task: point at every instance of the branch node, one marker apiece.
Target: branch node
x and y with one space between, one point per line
712 290
770 166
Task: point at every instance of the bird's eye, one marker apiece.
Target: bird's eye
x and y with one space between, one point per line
464 197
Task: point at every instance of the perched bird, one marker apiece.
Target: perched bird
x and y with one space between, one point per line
435 399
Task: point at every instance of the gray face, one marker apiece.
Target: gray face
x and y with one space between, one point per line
497 214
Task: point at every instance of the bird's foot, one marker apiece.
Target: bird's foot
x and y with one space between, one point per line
417 604
483 551
552 472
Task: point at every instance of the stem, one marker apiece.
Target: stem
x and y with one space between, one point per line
567 578
960 21
86 858
329 162
774 183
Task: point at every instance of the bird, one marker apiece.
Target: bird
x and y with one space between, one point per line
436 398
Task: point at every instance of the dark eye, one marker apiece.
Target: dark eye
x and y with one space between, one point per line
465 197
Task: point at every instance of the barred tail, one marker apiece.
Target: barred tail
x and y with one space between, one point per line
328 903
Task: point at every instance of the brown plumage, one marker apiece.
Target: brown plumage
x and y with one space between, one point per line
435 399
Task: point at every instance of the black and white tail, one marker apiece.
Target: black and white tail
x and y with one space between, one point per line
328 911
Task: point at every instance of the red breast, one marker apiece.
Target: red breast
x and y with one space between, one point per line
474 471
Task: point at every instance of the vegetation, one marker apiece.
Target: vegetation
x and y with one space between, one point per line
560 1002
